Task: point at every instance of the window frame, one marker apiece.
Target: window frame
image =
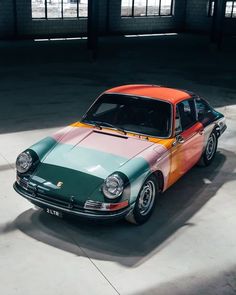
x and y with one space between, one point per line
204 103
195 115
62 17
210 11
209 116
180 125
171 129
132 15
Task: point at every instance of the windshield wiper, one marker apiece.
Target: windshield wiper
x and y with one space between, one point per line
100 124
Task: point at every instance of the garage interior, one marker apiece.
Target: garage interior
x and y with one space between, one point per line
56 58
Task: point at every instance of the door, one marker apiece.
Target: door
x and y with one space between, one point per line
188 146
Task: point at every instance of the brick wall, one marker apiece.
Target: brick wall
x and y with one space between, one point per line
189 15
150 24
28 27
197 19
6 19
70 27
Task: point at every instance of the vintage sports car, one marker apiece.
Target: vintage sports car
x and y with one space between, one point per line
133 143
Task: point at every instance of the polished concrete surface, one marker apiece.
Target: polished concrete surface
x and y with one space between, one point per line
189 244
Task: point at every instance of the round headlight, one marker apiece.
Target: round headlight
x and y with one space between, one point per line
113 186
24 162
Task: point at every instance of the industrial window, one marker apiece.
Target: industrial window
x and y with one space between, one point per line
230 9
47 9
133 8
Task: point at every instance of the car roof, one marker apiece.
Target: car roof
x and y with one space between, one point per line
170 95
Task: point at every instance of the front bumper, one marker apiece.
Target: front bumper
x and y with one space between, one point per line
87 214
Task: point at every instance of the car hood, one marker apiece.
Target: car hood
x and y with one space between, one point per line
82 158
95 152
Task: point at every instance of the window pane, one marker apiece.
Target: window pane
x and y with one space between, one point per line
38 9
126 8
212 8
177 121
166 7
70 8
187 113
140 7
153 7
83 8
229 7
234 9
54 8
104 108
204 112
202 108
135 114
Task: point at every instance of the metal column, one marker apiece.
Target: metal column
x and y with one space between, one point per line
93 14
108 17
15 19
217 30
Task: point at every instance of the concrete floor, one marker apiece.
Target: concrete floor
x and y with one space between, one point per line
189 244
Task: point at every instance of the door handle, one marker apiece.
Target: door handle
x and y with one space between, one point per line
201 131
178 140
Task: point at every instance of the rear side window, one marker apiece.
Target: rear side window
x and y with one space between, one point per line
187 113
178 127
204 112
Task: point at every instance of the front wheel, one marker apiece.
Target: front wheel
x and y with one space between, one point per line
210 150
145 202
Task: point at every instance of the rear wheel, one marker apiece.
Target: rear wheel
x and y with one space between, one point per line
145 202
210 149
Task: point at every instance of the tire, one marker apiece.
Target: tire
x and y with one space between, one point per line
210 150
145 202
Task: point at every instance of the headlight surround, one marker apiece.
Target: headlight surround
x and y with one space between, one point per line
23 162
113 186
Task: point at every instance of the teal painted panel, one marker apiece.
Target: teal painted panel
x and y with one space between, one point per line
42 147
137 170
85 160
83 170
74 183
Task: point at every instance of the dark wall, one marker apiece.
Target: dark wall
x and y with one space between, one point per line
189 15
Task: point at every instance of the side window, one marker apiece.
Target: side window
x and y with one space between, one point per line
187 113
178 127
204 112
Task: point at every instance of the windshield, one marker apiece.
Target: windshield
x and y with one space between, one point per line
131 113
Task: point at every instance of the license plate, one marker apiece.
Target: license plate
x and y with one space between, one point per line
53 212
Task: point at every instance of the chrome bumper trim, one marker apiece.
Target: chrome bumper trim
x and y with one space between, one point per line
89 215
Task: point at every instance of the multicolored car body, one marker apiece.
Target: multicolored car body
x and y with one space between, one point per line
134 142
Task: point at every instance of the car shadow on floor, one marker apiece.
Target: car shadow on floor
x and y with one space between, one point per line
128 244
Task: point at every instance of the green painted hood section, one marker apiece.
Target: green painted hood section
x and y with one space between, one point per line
85 160
75 183
82 171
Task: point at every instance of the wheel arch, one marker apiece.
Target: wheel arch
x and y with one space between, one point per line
216 130
158 176
160 179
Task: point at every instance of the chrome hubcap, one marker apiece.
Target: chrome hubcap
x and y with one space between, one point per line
211 144
147 197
